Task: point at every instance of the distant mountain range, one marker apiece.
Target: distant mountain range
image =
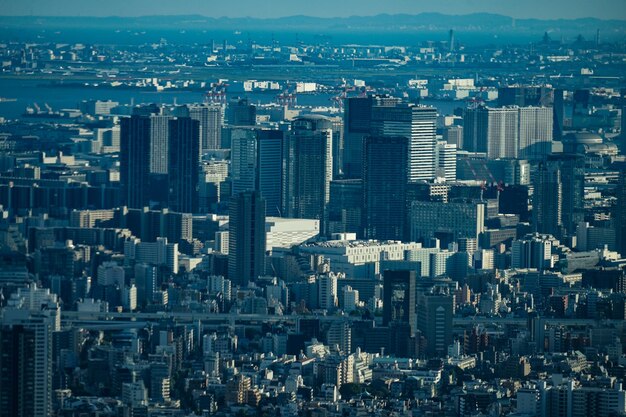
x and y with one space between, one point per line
384 22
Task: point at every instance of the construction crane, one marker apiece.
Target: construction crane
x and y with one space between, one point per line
217 93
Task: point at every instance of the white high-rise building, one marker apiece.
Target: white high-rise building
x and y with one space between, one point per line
350 298
535 132
327 291
446 161
211 119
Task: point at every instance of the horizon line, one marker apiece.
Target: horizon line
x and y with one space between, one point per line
313 16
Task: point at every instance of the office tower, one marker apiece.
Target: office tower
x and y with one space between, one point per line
533 251
446 161
345 206
399 298
619 212
492 130
246 240
135 148
144 150
243 159
548 200
338 146
327 291
446 221
270 168
256 156
558 114
508 132
535 132
558 200
418 124
211 120
385 175
454 136
523 96
184 164
241 113
434 320
26 352
307 163
357 125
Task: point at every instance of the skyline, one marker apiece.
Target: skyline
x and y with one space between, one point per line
533 9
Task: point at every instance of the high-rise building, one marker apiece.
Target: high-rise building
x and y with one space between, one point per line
558 200
184 165
241 113
308 165
446 221
246 240
256 156
211 121
508 132
535 132
523 96
446 160
533 251
338 146
138 137
434 320
492 130
270 169
416 123
345 207
399 298
327 291
619 213
243 159
385 177
357 125
454 136
548 200
26 352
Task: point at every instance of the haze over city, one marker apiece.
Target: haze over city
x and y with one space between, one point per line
401 208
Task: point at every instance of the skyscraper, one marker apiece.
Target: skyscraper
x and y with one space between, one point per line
508 132
184 164
241 113
399 298
256 156
211 120
492 130
385 175
135 145
144 154
446 160
535 132
26 353
418 124
619 213
558 204
307 163
357 125
435 310
270 169
246 238
345 207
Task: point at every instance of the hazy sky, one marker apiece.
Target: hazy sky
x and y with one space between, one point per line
548 9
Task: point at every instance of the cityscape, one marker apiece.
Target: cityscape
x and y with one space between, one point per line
401 209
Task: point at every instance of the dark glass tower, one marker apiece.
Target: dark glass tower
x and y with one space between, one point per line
246 238
184 164
384 187
399 298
